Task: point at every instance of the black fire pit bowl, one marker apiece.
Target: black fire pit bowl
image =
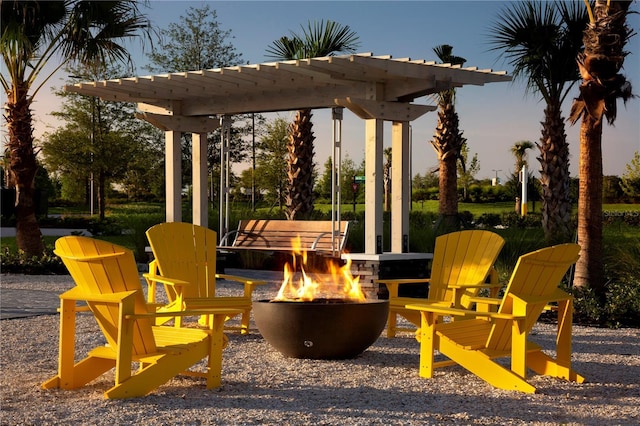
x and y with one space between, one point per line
321 329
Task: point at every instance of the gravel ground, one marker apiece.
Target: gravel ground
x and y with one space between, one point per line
260 386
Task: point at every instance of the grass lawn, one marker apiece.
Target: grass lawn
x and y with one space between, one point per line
478 209
617 232
123 240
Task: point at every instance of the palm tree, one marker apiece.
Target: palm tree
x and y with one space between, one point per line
602 84
33 33
318 39
519 150
447 142
540 40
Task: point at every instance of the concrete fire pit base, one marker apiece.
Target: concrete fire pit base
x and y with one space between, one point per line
322 329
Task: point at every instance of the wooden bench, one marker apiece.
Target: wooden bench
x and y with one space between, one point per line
278 235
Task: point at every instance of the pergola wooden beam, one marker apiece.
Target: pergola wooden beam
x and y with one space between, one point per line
375 88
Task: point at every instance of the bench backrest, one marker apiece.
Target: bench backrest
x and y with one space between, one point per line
279 234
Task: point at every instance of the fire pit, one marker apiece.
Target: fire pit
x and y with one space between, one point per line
320 317
321 329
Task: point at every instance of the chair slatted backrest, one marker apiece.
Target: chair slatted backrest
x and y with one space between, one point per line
462 257
102 268
187 252
536 275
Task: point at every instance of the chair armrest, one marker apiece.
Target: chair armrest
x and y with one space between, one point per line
439 309
443 310
239 279
164 280
77 294
187 313
486 300
557 296
483 285
248 284
394 283
402 281
225 237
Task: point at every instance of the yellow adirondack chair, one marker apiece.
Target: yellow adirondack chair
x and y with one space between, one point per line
185 263
462 261
474 343
107 279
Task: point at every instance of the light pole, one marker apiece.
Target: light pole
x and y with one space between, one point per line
496 181
253 162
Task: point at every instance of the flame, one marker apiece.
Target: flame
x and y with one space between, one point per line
338 283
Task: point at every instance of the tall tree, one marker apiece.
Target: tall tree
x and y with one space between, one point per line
198 41
318 39
271 161
101 140
467 170
33 34
447 142
540 40
630 182
602 85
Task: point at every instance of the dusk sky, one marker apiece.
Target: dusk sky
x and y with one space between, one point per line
493 117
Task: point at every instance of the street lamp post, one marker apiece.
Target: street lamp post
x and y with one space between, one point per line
496 180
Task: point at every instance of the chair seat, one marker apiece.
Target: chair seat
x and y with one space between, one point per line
469 334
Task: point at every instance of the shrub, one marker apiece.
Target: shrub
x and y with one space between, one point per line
135 227
489 219
17 262
107 226
531 220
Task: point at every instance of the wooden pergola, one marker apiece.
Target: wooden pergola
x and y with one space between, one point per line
375 88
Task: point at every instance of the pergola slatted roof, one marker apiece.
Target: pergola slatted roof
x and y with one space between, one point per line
375 88
289 85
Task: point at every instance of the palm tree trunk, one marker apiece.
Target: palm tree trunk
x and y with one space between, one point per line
590 268
22 168
554 177
299 199
447 142
448 186
600 65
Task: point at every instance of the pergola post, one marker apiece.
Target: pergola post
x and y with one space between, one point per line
336 177
225 142
400 187
373 179
199 179
173 175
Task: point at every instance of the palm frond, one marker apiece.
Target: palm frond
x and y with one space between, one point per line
323 38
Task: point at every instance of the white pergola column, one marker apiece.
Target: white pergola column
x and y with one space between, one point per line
373 190
225 146
199 179
400 187
173 176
